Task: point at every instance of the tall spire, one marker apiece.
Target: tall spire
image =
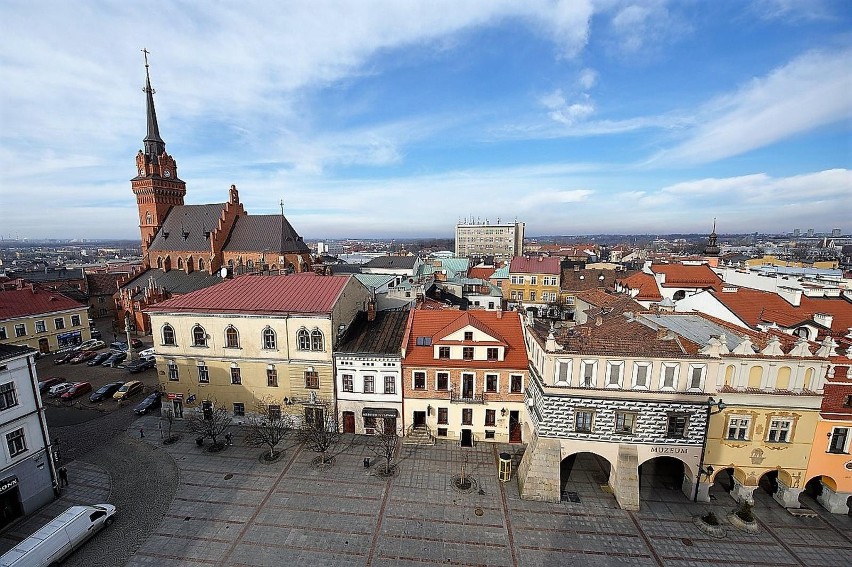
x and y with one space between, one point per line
154 145
281 252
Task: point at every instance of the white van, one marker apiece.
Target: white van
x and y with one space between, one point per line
59 537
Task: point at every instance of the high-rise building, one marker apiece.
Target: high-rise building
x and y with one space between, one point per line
503 241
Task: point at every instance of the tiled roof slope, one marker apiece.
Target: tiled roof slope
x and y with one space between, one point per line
580 280
303 292
381 336
103 284
395 262
428 323
681 275
645 283
535 265
176 282
12 351
53 275
755 306
618 303
25 302
263 232
193 220
481 273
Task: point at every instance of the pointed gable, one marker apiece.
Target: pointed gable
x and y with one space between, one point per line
467 322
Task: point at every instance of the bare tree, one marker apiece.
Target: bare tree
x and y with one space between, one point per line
268 426
385 442
209 421
320 430
167 415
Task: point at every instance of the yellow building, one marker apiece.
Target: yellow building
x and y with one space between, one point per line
255 338
42 319
769 260
533 281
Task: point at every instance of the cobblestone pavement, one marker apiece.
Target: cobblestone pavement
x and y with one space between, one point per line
231 509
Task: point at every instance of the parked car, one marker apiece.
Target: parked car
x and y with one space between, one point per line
59 537
152 402
121 346
59 389
105 392
140 364
47 383
148 352
83 356
100 358
96 334
115 359
91 344
129 389
77 390
65 357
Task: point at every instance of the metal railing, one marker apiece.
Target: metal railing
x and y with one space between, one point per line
459 398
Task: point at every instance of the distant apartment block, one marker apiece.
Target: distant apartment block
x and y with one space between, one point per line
484 239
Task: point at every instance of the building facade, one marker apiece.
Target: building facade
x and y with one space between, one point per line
27 469
534 281
502 241
44 320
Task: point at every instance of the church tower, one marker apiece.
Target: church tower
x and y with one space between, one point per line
157 186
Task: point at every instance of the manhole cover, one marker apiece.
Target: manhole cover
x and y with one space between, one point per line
229 476
478 511
686 541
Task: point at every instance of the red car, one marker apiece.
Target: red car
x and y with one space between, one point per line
83 357
77 390
47 383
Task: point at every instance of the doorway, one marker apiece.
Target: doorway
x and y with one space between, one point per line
10 503
348 422
178 407
420 419
466 438
514 427
43 346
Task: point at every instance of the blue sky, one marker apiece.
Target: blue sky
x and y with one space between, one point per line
388 118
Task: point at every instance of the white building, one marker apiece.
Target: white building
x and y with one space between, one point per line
27 472
502 241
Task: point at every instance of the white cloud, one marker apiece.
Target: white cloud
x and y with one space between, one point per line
588 78
809 92
792 10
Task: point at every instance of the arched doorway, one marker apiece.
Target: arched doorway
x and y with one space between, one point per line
584 478
660 476
723 484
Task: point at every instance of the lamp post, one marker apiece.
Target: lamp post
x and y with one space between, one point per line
708 472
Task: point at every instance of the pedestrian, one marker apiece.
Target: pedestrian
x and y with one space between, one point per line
63 476
141 433
227 438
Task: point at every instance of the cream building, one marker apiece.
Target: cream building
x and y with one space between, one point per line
502 241
42 319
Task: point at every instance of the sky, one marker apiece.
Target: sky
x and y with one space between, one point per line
388 118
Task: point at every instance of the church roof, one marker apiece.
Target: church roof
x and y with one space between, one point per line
264 232
176 282
191 220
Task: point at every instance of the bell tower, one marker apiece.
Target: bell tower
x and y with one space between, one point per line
157 186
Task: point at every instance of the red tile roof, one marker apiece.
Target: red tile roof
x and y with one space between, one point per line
645 284
579 280
618 303
295 293
680 275
481 273
26 302
536 265
103 284
431 323
467 319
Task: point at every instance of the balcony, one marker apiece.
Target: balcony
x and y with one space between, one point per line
458 398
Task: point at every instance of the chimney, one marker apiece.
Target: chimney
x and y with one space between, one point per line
499 313
371 310
791 295
824 319
661 333
598 321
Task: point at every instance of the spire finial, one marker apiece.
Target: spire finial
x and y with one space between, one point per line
154 145
281 251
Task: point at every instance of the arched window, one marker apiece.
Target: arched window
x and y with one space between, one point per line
232 338
679 294
304 339
189 264
160 262
180 263
316 340
269 339
199 336
168 335
201 263
148 218
250 264
231 263
167 264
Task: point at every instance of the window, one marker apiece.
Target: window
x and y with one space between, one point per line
17 442
442 381
273 412
20 330
239 409
442 432
583 421
348 383
59 323
516 383
40 327
467 353
269 342
168 335
587 380
271 377
839 440
676 427
624 422
563 372
443 416
199 336
317 342
533 280
668 380
3 335
312 379
640 375
390 385
419 380
492 353
173 371
696 376
490 417
848 401
468 335
614 371
738 427
779 431
203 374
532 296
491 383
369 384
314 415
235 375
8 398
489 434
232 338
467 416
304 339
444 352
75 320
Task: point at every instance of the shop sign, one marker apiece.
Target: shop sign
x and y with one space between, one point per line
379 412
665 450
8 484
172 396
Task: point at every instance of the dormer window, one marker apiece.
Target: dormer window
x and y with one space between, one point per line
468 335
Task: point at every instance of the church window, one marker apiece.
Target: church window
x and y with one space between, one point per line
160 262
189 264
180 263
199 336
269 338
201 263
317 340
304 339
232 338
149 219
168 335
250 264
